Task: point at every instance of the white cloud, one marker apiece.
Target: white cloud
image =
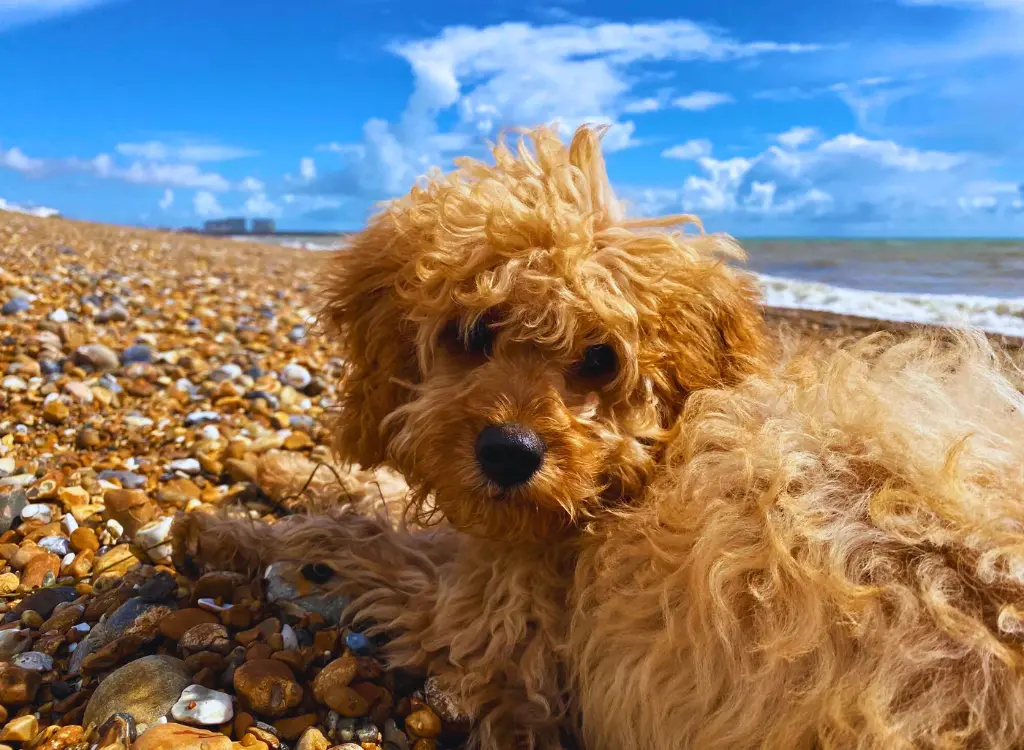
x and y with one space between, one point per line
252 185
700 101
17 208
797 137
168 200
19 161
515 74
191 153
206 204
641 106
259 205
307 168
848 178
693 149
103 166
22 12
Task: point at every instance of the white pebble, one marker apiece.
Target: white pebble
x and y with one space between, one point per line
200 705
229 371
59 316
14 383
116 529
186 465
68 523
58 545
209 432
37 512
134 420
289 638
155 538
296 376
82 627
34 661
212 606
67 559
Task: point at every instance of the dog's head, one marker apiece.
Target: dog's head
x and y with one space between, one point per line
518 350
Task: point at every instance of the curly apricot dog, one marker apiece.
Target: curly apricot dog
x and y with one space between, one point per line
655 529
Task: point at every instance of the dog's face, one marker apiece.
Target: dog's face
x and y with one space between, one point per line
518 352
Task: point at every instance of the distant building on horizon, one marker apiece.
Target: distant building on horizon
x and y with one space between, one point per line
263 226
225 226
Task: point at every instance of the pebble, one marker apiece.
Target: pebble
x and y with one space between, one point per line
37 512
58 545
155 539
145 688
15 306
267 686
98 357
201 417
21 729
18 686
12 504
174 736
14 384
112 314
33 661
136 353
202 706
359 644
185 465
296 376
176 624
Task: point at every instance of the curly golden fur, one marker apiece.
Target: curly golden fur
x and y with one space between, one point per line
726 545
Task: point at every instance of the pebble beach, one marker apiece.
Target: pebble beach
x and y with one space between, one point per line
146 373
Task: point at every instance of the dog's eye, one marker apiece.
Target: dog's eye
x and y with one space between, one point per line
317 572
599 361
479 338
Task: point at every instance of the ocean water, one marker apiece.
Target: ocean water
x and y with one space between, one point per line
978 283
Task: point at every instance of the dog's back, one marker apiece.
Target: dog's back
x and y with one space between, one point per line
832 557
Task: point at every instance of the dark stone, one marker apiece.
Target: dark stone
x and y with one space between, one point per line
15 306
61 689
11 505
270 398
50 367
159 588
359 644
128 479
136 353
44 601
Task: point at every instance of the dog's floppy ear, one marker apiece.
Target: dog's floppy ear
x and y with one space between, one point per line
360 309
712 336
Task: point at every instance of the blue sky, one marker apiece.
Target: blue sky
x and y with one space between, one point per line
767 117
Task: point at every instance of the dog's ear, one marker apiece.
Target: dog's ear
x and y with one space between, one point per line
360 309
711 336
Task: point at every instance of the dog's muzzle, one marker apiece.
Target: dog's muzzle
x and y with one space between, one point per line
509 454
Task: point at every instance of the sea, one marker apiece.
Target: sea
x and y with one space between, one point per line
977 283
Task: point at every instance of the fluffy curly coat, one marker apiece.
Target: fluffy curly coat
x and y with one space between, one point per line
728 544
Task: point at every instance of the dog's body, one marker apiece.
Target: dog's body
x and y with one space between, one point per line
658 532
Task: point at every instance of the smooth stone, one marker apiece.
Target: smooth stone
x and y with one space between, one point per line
201 417
159 588
37 512
136 353
45 601
58 545
128 479
267 687
155 539
296 376
113 314
14 384
185 465
145 688
97 356
174 736
176 624
33 661
11 506
359 644
18 686
15 306
202 706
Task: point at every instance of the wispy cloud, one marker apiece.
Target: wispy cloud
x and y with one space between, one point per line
195 153
690 150
23 12
700 101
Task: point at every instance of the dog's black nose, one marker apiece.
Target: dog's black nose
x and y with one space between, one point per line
509 454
